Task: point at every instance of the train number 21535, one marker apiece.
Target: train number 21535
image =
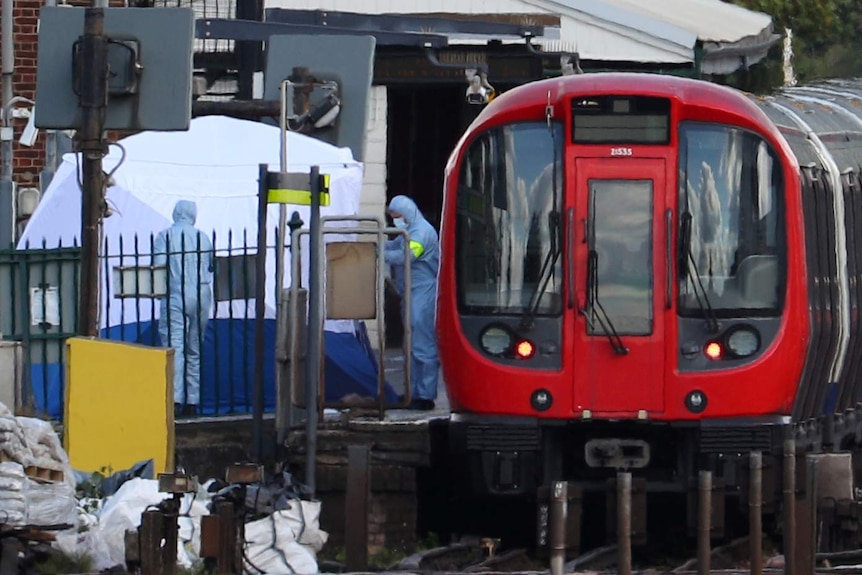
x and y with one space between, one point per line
621 151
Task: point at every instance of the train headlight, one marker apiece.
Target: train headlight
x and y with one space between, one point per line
541 400
496 340
743 342
696 401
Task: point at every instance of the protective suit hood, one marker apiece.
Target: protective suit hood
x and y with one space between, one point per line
407 208
185 211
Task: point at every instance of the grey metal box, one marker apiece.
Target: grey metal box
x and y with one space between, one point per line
164 97
348 60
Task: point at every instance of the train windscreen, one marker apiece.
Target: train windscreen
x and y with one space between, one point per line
731 202
508 229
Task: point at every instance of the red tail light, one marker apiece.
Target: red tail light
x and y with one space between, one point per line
713 350
525 349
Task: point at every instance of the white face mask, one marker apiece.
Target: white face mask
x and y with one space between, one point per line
400 223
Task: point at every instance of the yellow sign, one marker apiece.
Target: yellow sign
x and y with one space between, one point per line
297 197
119 405
295 188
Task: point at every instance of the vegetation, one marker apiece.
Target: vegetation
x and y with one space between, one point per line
826 43
58 563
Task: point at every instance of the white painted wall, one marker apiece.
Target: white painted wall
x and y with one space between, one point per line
372 199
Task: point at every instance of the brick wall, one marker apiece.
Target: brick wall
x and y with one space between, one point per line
28 161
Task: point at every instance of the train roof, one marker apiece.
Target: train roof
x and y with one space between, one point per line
531 99
828 111
821 121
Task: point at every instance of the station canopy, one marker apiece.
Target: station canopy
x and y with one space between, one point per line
672 32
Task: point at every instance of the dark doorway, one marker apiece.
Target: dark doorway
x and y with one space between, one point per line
424 124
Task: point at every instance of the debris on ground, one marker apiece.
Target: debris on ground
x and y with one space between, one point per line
44 502
37 485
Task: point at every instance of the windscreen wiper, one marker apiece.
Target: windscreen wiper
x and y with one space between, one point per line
686 258
593 304
546 273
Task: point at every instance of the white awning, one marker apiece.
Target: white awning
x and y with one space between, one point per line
731 36
668 31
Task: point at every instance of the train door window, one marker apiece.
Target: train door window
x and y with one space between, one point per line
621 245
508 237
730 200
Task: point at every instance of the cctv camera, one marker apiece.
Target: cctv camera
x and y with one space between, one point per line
30 132
477 98
479 90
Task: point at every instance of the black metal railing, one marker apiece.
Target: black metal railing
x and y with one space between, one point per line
39 288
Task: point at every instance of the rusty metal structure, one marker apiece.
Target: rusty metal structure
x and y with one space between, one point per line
151 549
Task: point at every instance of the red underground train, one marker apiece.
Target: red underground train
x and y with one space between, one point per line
653 274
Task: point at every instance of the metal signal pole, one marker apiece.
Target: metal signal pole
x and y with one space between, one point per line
93 100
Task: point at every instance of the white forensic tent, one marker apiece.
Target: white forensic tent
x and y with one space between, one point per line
215 164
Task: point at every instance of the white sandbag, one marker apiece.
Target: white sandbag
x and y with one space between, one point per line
4 410
189 527
12 470
304 518
9 484
287 558
122 511
51 503
43 440
13 442
8 424
45 447
13 502
18 499
12 517
274 541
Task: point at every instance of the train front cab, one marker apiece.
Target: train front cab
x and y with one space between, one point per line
622 288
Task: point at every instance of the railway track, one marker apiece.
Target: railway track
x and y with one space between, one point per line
472 556
805 523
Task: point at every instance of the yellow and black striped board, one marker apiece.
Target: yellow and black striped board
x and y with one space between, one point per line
294 188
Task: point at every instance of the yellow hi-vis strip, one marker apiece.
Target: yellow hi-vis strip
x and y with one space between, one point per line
417 248
297 197
285 188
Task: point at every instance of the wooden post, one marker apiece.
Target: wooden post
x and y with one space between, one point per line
557 526
704 521
755 518
624 523
358 496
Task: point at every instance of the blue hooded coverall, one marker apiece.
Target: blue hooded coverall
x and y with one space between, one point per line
424 261
183 315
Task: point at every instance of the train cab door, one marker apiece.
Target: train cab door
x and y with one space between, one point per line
621 279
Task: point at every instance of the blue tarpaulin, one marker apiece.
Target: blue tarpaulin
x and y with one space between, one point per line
227 367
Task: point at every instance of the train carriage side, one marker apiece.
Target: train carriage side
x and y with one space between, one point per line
822 123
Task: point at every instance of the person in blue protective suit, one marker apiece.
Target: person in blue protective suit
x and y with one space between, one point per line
183 314
424 259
